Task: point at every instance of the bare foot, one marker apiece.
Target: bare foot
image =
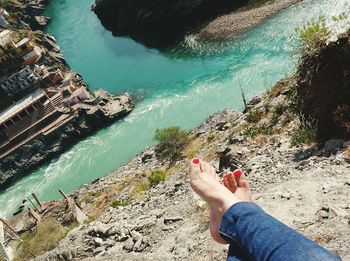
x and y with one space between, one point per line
205 183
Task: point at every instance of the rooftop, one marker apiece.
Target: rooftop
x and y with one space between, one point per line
20 105
5 37
23 41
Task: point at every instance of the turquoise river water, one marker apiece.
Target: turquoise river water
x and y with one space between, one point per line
180 86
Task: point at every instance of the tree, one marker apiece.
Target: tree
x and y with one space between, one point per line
171 143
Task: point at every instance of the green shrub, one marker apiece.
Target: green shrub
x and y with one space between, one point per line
5 4
156 177
171 143
141 187
303 135
316 32
263 129
278 111
117 203
211 137
254 115
45 238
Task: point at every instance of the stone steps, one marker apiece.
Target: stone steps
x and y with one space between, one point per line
3 254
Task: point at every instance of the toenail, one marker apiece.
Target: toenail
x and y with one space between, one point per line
195 161
238 173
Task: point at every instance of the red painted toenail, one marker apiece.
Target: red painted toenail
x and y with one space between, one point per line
195 161
238 173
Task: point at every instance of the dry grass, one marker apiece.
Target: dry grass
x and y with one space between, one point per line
45 238
260 140
99 202
193 148
278 88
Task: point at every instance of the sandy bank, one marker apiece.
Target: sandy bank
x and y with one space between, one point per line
228 26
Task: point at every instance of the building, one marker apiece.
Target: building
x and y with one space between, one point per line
3 16
20 81
13 47
20 117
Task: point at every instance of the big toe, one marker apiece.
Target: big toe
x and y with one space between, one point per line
241 179
195 169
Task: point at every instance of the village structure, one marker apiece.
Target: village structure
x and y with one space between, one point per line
38 97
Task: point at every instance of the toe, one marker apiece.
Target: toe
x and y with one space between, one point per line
226 182
233 182
241 179
195 168
205 167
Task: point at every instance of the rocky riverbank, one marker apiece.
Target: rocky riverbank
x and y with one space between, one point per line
229 26
160 24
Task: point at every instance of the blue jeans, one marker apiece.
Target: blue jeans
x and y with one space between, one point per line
255 235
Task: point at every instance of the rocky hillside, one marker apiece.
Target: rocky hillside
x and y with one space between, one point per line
305 186
327 74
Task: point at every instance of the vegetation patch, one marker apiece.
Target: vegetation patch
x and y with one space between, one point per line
210 138
118 203
156 177
193 148
45 238
278 111
315 34
171 143
303 135
140 187
254 115
262 129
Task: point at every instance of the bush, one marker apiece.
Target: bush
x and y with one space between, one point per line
303 135
254 115
156 177
278 111
141 187
316 32
117 203
171 143
45 238
263 129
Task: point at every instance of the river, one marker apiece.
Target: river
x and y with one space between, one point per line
180 86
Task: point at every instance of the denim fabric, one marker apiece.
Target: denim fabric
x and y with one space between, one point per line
255 235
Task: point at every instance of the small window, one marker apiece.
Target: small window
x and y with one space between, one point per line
30 109
16 119
43 100
23 114
8 124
